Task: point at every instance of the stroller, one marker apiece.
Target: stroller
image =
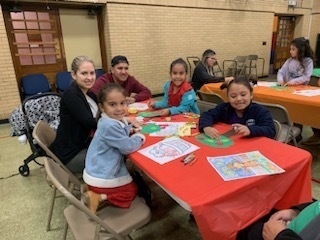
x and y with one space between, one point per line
43 106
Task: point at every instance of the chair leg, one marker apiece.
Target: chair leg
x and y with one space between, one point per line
53 197
295 141
65 230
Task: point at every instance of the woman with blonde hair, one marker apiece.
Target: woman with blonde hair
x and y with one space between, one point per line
78 110
204 72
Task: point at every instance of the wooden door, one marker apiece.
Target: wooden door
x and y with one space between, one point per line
285 29
35 41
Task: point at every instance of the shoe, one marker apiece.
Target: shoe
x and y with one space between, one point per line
313 140
92 200
103 204
84 188
191 217
298 138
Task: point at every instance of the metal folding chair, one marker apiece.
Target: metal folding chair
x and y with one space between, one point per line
234 67
192 61
205 106
278 128
210 97
288 132
44 135
109 223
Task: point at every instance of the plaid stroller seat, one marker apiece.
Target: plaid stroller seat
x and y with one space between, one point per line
44 106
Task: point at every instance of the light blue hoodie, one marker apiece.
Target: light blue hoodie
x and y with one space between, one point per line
188 102
104 166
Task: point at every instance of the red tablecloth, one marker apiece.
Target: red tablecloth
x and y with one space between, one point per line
222 208
302 109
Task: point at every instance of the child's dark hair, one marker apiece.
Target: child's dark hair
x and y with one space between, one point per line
105 90
238 80
304 49
179 61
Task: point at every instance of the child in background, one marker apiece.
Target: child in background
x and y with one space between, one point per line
179 96
297 70
105 171
247 118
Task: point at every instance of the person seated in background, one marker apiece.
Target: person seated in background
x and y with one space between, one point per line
247 118
203 72
179 97
299 222
297 70
119 73
78 110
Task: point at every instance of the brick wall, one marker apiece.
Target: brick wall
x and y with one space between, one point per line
9 94
154 33
152 36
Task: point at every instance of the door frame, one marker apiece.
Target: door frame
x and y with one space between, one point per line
286 53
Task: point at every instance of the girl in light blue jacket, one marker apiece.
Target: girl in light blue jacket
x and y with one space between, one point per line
105 171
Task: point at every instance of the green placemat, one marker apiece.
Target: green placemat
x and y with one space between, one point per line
282 88
149 114
150 128
223 142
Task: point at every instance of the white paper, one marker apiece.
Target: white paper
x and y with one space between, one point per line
140 106
308 93
167 129
266 84
243 165
168 149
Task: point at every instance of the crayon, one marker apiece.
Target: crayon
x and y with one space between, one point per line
193 162
194 134
189 160
187 157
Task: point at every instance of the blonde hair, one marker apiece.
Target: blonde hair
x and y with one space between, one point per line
77 62
208 53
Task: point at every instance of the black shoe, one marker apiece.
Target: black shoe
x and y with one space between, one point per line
298 138
191 217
